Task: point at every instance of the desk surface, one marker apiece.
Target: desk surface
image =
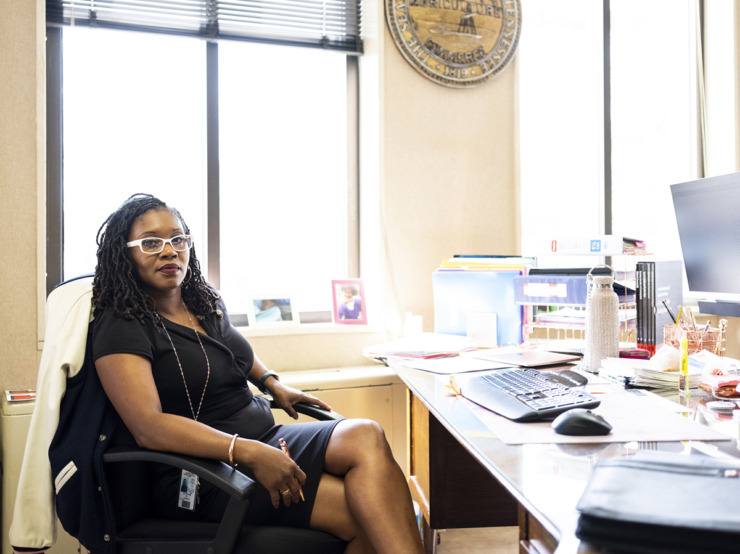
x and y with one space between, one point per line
548 479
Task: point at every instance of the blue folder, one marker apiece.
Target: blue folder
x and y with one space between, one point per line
457 293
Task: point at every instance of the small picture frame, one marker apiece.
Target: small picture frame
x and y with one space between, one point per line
272 310
349 302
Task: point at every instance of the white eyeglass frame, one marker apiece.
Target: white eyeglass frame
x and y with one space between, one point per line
137 242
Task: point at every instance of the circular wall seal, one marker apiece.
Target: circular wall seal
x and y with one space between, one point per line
457 43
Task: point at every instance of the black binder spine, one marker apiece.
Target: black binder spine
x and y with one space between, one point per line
652 295
639 295
646 294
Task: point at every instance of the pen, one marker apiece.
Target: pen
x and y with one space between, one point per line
680 311
692 320
284 446
670 313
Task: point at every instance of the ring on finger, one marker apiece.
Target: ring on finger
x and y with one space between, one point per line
285 492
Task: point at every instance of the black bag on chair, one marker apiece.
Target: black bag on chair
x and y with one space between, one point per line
662 504
87 421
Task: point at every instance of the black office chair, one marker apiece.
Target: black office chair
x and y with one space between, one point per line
137 531
127 475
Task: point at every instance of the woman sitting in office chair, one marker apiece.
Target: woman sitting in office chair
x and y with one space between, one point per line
176 371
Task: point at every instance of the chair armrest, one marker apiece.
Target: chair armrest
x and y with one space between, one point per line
238 486
229 480
312 410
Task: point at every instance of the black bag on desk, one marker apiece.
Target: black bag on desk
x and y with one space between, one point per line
660 504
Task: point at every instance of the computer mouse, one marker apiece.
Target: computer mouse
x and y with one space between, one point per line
569 378
581 422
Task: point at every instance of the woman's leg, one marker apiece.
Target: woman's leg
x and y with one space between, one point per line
375 489
332 514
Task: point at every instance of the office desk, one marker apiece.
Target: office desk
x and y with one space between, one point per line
463 476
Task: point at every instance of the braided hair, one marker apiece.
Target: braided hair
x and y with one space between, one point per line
116 283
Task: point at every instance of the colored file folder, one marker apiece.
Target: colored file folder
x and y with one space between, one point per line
458 293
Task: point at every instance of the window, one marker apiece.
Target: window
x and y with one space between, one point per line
137 114
719 70
561 122
283 168
653 117
622 115
133 124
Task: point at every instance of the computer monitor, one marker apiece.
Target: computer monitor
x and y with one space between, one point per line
708 218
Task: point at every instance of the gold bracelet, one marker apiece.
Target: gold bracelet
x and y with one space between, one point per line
231 450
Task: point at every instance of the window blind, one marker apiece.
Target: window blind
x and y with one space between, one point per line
329 24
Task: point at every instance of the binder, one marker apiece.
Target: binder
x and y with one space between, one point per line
645 275
639 303
656 281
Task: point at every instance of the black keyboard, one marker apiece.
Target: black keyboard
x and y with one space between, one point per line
524 394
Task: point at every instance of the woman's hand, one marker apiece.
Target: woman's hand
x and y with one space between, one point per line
275 471
285 397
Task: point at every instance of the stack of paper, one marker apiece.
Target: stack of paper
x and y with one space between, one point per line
576 317
642 373
652 378
447 365
485 263
425 345
634 246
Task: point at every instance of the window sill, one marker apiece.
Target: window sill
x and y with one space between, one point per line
313 346
289 329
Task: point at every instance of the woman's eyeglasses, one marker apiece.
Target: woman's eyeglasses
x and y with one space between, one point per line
154 245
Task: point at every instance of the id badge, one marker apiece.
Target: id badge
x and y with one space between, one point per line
188 490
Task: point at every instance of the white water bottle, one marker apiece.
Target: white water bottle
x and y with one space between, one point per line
602 321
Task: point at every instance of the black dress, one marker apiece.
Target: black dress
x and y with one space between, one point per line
228 405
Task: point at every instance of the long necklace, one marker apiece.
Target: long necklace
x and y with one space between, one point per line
208 365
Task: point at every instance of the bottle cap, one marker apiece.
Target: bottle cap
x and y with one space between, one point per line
603 280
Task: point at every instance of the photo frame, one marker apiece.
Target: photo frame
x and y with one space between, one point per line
349 302
272 310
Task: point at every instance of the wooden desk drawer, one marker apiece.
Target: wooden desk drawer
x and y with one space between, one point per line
451 487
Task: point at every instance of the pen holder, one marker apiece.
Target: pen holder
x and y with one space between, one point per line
711 339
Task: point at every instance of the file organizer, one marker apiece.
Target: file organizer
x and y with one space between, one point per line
567 287
569 290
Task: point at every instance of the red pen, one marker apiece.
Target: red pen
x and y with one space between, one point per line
284 446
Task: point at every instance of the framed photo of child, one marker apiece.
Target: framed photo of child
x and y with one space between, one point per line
349 302
272 310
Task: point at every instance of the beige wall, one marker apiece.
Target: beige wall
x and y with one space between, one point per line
22 182
438 172
447 171
450 182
